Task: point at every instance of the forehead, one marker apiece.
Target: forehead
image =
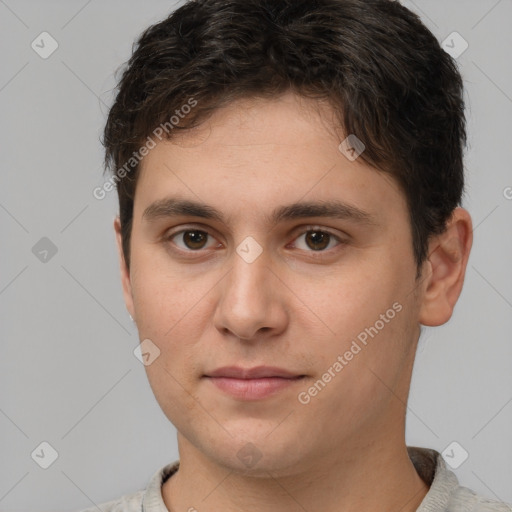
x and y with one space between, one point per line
257 126
255 154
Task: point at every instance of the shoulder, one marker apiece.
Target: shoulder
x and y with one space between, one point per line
445 493
146 499
463 499
127 503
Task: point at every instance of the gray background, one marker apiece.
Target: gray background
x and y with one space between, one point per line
68 375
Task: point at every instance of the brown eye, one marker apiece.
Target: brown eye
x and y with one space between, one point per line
317 240
192 239
195 239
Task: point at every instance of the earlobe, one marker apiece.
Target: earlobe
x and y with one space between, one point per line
125 272
447 261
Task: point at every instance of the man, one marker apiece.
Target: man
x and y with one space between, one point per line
290 176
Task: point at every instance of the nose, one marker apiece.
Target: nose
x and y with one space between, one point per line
252 299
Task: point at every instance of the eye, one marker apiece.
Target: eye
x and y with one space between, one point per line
316 240
192 240
195 240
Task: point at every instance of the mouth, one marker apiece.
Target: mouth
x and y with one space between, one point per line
252 383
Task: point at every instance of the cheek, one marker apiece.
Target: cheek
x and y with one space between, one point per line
368 319
360 380
162 298
349 301
172 312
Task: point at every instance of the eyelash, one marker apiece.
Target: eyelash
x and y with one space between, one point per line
310 229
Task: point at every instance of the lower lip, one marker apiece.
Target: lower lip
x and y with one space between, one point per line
253 389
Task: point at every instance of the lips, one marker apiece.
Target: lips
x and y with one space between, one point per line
258 372
252 383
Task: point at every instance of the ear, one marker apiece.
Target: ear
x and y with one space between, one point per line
445 269
125 273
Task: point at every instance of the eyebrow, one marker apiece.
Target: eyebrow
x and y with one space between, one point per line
174 207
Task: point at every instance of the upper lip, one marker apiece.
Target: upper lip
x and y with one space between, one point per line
258 372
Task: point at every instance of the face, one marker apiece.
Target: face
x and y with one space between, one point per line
277 279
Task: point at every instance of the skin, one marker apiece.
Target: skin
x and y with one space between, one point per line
293 307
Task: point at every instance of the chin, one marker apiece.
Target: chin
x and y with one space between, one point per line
245 445
257 456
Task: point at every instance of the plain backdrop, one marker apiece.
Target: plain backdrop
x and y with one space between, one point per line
68 375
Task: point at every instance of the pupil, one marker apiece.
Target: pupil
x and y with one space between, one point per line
318 240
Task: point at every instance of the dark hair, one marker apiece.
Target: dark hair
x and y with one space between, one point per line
385 75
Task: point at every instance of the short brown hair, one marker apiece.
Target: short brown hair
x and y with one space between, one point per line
384 73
